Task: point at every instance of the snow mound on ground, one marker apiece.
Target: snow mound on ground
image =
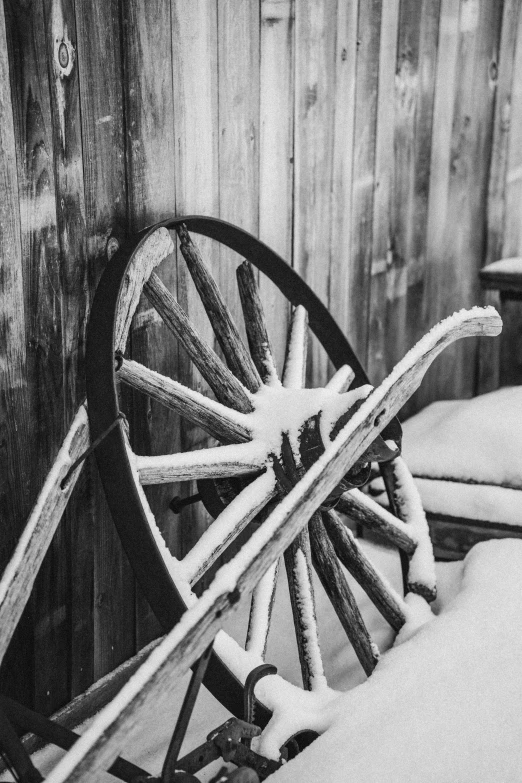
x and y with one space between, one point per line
446 705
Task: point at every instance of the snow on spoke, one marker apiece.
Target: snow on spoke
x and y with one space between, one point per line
227 526
372 515
218 462
421 572
220 422
261 612
347 548
341 380
296 350
299 573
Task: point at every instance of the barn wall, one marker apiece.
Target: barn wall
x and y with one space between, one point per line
375 144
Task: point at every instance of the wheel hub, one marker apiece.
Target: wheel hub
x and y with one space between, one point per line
294 425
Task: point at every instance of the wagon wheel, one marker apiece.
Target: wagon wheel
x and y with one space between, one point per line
257 461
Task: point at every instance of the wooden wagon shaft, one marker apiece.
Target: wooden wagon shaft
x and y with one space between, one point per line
233 347
21 571
100 744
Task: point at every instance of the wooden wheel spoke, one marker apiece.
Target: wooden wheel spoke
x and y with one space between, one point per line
255 323
227 388
227 526
341 380
220 422
370 514
216 463
347 549
294 374
340 594
234 350
260 616
302 599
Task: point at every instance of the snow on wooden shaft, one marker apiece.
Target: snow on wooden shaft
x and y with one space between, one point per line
444 705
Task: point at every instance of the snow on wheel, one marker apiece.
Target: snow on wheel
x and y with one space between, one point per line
270 430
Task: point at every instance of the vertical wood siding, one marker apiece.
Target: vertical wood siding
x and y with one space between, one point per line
375 144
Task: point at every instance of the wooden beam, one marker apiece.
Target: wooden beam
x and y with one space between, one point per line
234 350
227 388
220 422
389 604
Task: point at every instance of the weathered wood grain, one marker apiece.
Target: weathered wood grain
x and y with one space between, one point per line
362 509
361 568
195 73
51 357
461 148
341 299
61 42
363 182
227 526
21 571
238 127
255 323
510 367
151 178
276 154
217 462
297 557
227 388
340 594
220 317
156 248
313 144
109 627
261 606
379 321
15 470
102 742
213 417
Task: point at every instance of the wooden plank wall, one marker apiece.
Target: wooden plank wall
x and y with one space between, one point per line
376 144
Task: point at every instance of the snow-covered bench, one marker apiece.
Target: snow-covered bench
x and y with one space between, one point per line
466 457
